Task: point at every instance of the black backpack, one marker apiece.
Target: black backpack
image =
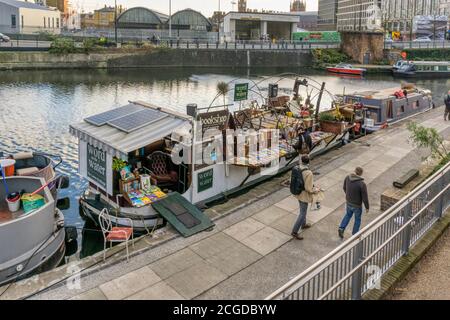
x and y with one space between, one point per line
297 183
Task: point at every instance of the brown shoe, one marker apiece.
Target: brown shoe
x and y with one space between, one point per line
306 226
297 236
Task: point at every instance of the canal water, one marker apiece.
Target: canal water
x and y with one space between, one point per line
37 107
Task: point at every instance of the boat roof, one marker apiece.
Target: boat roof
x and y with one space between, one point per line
431 63
128 128
380 94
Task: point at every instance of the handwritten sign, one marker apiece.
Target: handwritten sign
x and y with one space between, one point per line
96 165
205 180
241 91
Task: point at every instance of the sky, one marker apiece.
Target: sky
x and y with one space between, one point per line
207 7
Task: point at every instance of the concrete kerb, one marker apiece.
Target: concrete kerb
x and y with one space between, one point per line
401 269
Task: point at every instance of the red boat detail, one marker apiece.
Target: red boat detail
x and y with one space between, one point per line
346 69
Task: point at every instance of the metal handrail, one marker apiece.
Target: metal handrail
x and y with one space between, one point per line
382 246
297 282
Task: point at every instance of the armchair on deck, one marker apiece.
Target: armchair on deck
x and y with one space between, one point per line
160 171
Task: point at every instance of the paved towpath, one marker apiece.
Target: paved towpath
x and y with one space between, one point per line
250 252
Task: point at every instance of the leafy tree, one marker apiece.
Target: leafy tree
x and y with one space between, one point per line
423 137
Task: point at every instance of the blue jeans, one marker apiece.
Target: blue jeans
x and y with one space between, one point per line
348 216
301 220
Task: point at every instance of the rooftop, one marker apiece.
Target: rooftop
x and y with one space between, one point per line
128 128
28 5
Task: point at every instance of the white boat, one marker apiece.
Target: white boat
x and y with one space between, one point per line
30 242
145 136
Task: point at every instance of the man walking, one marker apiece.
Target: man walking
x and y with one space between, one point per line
306 196
304 143
447 106
356 194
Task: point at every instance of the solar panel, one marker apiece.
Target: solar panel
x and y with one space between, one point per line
103 118
137 120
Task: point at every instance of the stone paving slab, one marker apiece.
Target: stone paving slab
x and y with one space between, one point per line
129 284
290 203
159 291
213 245
195 280
314 216
266 240
93 294
270 215
234 259
244 229
327 183
175 263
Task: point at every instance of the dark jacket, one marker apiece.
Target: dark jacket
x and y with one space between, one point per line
307 138
356 191
447 102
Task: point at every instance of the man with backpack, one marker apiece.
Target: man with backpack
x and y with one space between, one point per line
302 186
447 106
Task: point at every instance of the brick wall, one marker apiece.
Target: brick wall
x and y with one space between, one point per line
357 44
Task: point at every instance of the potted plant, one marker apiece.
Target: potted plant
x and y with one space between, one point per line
330 122
117 165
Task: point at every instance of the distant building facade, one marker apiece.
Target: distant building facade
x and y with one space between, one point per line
27 17
358 15
87 20
298 5
444 7
387 15
242 6
260 25
103 18
308 21
327 20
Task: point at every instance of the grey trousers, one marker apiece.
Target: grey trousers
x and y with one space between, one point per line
301 220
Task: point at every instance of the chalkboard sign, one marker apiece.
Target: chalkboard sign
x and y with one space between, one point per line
273 90
241 91
96 165
205 180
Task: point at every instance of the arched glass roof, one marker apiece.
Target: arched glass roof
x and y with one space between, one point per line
192 18
141 16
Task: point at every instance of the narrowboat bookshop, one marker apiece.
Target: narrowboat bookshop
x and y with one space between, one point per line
149 165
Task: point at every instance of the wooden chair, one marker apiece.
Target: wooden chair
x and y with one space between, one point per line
114 234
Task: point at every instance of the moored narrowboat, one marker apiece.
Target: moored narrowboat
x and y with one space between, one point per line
423 69
388 106
153 165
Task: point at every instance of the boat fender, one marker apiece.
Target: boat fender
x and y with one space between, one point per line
71 234
23 155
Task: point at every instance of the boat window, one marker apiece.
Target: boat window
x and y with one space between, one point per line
389 110
443 68
402 109
416 105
